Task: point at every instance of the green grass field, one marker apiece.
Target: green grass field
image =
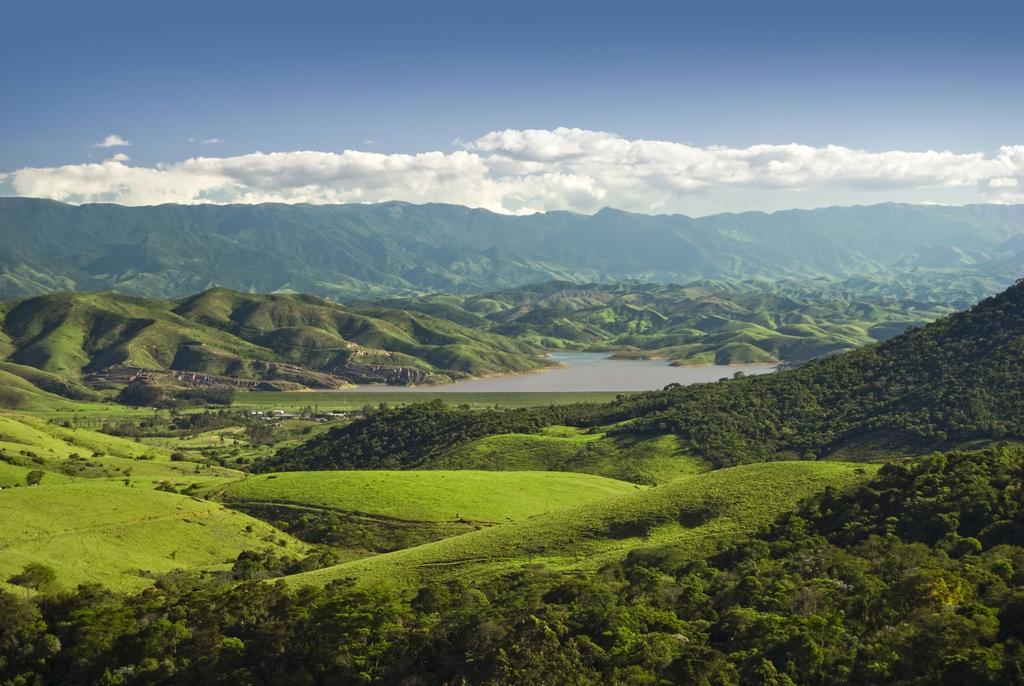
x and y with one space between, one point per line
698 513
31 442
639 459
104 532
427 496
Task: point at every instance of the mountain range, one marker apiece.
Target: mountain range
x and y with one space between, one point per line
358 250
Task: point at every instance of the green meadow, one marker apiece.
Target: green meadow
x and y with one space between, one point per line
639 459
564 497
432 496
32 443
96 531
697 514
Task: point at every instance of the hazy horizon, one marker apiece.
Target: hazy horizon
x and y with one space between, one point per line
539 212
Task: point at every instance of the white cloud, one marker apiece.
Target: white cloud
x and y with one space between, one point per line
112 141
206 141
522 171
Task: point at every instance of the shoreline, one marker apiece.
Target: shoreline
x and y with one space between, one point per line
572 383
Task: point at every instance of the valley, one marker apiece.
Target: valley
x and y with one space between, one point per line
651 343
524 459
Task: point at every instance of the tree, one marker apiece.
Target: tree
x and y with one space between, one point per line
34 477
139 394
36 576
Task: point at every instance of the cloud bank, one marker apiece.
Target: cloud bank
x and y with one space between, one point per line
524 171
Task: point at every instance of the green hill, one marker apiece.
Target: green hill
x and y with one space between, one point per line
64 454
434 496
910 578
97 531
22 390
700 513
700 323
64 341
357 513
638 459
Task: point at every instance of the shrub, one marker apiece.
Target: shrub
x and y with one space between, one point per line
36 576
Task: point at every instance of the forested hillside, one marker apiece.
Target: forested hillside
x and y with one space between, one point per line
357 250
954 380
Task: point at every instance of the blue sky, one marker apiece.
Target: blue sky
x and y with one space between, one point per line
414 77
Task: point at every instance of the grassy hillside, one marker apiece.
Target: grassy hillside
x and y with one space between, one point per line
700 323
639 459
102 532
434 496
361 513
18 392
31 443
699 513
415 435
220 337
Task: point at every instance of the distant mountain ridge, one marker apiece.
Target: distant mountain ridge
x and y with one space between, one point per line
360 250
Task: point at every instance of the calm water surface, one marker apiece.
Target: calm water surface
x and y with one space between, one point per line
584 372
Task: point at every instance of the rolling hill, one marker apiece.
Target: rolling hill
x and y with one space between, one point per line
97 531
699 513
364 512
97 515
638 459
722 322
67 454
357 250
435 496
65 341
911 577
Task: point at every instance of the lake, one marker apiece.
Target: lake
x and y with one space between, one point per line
583 372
